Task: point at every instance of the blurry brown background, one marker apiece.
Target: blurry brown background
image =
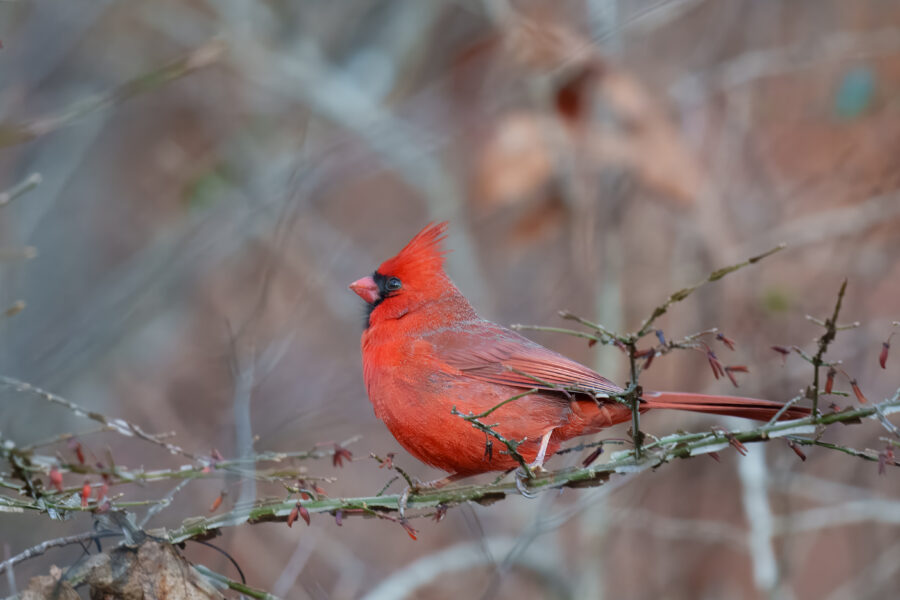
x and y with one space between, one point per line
196 238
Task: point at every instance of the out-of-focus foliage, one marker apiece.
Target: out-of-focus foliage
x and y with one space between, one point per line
216 173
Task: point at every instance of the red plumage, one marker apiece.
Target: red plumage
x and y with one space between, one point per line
426 351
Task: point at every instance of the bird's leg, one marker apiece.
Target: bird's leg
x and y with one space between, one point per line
538 464
520 484
535 467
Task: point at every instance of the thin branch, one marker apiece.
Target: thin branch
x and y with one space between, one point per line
628 342
39 549
389 462
507 401
205 55
426 502
684 293
610 337
824 341
166 502
572 332
869 455
21 188
887 424
784 409
120 426
234 585
511 445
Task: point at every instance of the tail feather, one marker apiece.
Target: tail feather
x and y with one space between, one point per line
731 406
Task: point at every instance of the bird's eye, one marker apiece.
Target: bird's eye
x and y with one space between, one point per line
393 284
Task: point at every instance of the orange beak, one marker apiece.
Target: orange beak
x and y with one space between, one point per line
367 289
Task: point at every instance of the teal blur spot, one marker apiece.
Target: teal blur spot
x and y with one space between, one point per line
855 93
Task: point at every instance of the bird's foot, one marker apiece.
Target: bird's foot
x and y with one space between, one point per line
537 467
522 477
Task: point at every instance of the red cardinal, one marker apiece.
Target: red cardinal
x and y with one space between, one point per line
425 350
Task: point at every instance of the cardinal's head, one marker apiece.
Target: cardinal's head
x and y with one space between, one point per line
408 281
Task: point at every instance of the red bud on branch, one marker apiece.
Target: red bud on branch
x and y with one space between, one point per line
714 363
783 352
737 444
857 392
217 502
727 341
796 448
730 370
340 454
592 457
829 381
56 479
75 446
409 529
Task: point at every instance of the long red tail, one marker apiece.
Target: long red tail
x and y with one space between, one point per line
731 406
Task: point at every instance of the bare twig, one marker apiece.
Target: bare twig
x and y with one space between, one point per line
231 584
572 332
39 549
684 293
824 341
424 503
511 445
628 342
120 426
205 55
784 409
21 188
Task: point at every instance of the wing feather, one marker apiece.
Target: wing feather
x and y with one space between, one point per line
489 352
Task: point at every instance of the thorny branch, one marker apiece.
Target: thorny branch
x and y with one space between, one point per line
429 502
684 293
512 446
824 341
628 342
26 466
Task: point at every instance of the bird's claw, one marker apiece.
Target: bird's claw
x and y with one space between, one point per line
521 477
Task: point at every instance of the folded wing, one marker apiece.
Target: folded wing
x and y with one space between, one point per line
489 352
